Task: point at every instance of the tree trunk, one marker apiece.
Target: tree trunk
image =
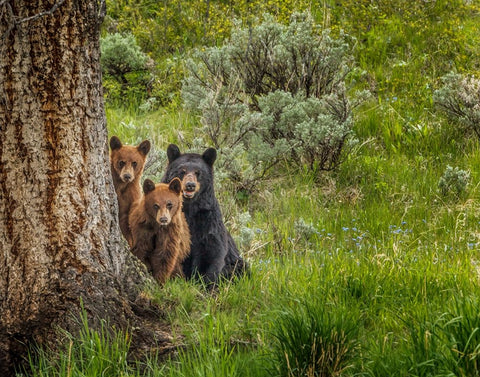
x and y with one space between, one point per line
59 236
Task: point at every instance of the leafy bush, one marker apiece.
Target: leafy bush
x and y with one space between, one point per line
459 98
124 63
274 92
454 181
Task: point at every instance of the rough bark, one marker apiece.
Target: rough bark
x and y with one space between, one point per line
60 242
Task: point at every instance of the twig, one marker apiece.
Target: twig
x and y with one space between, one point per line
41 14
12 20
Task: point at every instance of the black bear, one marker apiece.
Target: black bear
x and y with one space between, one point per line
213 253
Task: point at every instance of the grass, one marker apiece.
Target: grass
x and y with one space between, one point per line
89 354
370 259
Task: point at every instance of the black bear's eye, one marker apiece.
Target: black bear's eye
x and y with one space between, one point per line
181 173
121 164
169 205
156 207
134 164
197 173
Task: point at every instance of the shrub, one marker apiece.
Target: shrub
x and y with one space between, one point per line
303 229
274 92
163 27
124 62
459 98
454 181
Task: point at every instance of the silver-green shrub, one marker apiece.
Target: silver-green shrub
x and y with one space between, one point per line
246 233
303 229
459 98
271 93
121 55
454 181
126 68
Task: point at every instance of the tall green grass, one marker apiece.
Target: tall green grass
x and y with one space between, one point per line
315 338
90 353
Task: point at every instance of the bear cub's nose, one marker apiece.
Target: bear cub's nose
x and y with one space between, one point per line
163 220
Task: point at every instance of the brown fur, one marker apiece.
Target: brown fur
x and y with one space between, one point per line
127 163
161 238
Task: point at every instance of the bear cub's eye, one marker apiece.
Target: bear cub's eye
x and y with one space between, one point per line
134 164
156 207
169 205
121 164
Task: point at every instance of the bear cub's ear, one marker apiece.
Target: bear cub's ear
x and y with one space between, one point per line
144 147
209 156
175 185
115 143
173 152
148 186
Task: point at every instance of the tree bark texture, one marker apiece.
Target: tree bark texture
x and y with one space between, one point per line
59 237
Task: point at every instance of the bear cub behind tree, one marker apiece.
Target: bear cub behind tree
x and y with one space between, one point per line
127 163
213 253
161 238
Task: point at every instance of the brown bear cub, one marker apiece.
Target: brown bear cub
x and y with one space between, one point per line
161 238
127 163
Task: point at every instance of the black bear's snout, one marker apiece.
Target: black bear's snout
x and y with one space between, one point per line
190 186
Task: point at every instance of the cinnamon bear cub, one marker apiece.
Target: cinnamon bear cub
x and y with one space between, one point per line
161 238
127 163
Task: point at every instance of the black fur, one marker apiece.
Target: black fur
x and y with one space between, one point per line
213 253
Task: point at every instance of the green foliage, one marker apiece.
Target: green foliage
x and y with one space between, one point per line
273 92
125 68
167 27
404 47
407 43
121 55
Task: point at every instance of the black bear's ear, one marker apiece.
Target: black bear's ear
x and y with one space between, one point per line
144 147
173 152
209 156
148 186
175 185
115 143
